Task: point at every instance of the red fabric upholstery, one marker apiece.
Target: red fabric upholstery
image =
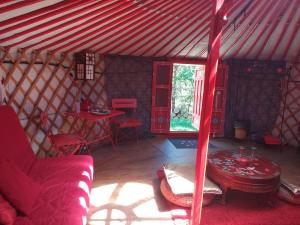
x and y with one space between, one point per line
67 184
19 189
7 212
14 144
20 220
66 181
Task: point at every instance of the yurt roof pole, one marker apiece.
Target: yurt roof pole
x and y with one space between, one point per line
220 10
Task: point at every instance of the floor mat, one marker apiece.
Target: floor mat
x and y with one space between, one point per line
187 143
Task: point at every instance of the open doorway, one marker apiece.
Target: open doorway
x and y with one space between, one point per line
187 90
179 111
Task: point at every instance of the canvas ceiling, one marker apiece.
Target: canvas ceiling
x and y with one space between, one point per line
256 29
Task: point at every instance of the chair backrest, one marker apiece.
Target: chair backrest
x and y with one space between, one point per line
14 145
124 103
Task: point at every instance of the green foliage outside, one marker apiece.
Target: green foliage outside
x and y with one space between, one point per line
182 97
178 124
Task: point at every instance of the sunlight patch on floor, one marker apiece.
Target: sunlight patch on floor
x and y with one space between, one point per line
131 193
127 203
101 195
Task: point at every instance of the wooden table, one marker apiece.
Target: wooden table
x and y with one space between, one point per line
252 174
88 117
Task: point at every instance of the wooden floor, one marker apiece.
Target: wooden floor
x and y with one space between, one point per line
126 188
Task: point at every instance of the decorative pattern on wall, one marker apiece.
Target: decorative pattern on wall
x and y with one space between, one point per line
131 77
288 121
38 82
254 94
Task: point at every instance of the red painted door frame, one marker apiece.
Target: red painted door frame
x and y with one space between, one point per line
198 95
161 97
219 105
187 134
219 11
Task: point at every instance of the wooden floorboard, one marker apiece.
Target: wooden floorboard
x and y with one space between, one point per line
126 188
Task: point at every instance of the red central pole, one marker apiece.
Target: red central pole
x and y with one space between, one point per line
207 105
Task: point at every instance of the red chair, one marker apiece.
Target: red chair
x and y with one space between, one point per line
62 144
120 124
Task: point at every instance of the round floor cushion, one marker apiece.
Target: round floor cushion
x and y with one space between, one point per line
288 196
184 200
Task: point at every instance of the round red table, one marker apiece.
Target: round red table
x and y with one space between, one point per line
254 174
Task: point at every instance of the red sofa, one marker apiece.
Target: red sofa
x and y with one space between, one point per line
65 182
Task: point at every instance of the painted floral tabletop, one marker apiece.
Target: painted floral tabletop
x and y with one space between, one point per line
243 165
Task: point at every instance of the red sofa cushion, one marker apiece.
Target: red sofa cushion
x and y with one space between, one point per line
14 144
7 212
19 189
67 183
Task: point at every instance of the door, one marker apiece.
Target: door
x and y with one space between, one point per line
161 97
219 106
198 95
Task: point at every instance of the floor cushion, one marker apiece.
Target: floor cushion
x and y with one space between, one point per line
287 195
178 185
18 188
291 184
180 178
7 212
184 200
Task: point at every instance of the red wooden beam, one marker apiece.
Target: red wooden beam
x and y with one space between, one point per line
96 16
44 10
297 58
250 27
18 5
141 28
198 42
219 10
51 22
203 31
225 31
239 19
184 39
294 8
292 38
276 10
145 26
273 27
123 20
6 1
164 34
165 31
110 25
102 15
251 30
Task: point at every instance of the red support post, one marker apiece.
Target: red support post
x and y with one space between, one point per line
219 11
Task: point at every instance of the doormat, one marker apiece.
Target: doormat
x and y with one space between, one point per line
187 143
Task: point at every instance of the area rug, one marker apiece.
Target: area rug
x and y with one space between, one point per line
241 209
187 143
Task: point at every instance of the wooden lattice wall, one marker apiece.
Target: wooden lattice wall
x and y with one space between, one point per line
38 82
288 121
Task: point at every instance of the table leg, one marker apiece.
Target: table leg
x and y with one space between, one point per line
271 199
224 194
